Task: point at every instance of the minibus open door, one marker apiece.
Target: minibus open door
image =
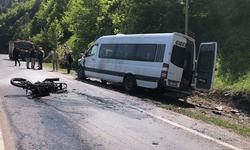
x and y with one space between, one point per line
205 67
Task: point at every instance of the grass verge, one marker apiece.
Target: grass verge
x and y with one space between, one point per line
242 84
64 70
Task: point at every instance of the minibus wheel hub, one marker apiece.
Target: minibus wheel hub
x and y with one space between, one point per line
129 84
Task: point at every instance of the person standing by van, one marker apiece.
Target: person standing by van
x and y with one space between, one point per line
55 59
81 59
27 58
16 53
69 60
33 58
40 56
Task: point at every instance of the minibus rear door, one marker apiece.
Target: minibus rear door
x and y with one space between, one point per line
205 67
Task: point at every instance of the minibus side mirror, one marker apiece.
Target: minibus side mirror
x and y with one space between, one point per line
86 53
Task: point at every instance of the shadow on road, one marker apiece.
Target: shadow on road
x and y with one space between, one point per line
15 96
169 98
8 59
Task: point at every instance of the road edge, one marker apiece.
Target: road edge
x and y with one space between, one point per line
6 135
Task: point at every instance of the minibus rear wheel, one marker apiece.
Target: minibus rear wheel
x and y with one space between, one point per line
129 84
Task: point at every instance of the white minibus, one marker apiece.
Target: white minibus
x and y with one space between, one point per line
163 61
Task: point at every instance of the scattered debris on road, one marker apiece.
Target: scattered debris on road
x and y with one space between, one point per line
217 112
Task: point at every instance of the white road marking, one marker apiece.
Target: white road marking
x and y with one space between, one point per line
1 137
193 131
1 141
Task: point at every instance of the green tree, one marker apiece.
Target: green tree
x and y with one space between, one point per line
149 16
55 33
83 18
39 21
44 22
230 29
80 22
22 27
15 23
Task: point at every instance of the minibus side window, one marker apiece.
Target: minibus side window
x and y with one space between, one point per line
107 51
145 52
178 54
125 51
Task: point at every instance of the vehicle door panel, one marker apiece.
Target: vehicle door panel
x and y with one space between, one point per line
205 70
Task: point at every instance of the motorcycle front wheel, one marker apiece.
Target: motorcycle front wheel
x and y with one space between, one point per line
20 82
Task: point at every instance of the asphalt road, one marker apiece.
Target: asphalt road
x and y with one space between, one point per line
95 116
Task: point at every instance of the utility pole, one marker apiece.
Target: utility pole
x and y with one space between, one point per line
186 18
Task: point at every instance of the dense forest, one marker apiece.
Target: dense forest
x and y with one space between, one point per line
5 5
49 23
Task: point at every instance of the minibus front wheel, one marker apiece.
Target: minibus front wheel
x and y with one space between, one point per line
129 84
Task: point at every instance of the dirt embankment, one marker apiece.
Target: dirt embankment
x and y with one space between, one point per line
231 107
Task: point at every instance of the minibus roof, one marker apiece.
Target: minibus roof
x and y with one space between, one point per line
149 35
186 36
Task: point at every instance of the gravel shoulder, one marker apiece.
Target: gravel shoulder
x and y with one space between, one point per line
231 107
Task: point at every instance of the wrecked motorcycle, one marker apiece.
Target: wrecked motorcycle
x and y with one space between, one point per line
40 89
